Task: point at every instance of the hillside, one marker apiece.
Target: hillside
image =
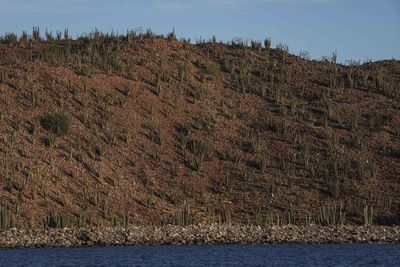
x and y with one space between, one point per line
145 129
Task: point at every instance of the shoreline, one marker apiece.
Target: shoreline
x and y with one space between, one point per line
197 234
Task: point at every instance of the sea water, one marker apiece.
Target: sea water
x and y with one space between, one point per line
208 255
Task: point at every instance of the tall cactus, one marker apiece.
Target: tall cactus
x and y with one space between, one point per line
55 220
6 219
331 215
342 214
368 215
3 75
182 216
126 219
225 215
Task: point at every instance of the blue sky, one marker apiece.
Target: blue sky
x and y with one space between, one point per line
357 29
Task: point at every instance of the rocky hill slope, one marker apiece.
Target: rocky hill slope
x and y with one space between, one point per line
145 129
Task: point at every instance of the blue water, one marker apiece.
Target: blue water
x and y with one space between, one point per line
220 255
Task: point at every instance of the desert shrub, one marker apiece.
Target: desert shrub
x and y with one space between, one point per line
197 94
227 65
182 72
126 90
367 170
277 94
267 43
23 37
171 35
395 153
10 38
245 115
354 120
377 120
397 90
350 77
184 128
259 127
157 136
238 43
261 163
305 154
57 123
229 154
16 124
305 55
3 75
158 88
198 163
155 133
195 163
36 34
263 92
247 175
84 71
254 144
14 184
198 147
204 122
201 151
156 155
378 79
356 139
98 150
243 79
208 67
338 187
283 47
256 45
49 141
49 36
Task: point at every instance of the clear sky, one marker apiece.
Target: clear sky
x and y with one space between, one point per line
357 29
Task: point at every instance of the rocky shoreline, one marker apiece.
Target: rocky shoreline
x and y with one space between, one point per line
197 234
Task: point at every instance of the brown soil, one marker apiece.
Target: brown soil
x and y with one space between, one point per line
237 133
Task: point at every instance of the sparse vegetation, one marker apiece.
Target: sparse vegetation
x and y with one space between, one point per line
267 43
377 120
155 133
208 67
6 219
135 128
57 123
55 220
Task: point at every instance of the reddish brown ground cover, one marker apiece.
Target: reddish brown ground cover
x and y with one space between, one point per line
141 129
